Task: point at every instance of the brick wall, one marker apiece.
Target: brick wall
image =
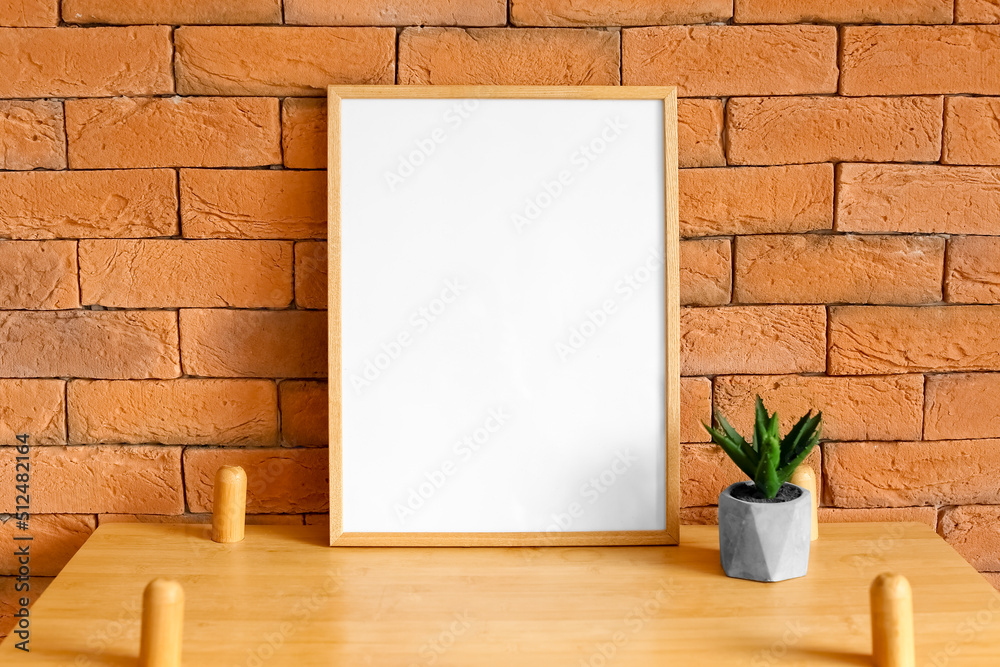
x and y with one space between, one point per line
162 268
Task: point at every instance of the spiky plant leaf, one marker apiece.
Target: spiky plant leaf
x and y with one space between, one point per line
766 478
797 437
749 451
734 451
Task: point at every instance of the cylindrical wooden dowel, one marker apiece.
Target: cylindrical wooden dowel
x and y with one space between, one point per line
230 506
892 621
805 477
162 624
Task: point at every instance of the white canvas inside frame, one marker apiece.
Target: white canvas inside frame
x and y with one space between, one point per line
502 314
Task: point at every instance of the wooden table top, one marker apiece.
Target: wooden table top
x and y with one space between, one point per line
282 597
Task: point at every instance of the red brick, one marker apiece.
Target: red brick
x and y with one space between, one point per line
920 60
188 274
9 594
397 12
993 578
753 339
203 518
29 13
103 478
721 61
971 130
303 133
756 200
865 408
705 272
96 62
88 204
38 275
700 516
977 11
281 60
899 474
882 339
175 132
962 405
32 135
696 408
248 343
917 199
973 274
310 274
839 269
925 515
171 12
253 204
833 129
706 471
845 11
974 532
54 540
279 481
699 133
568 13
304 413
33 407
173 412
89 344
508 56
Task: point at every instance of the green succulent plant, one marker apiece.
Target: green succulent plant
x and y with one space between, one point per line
769 460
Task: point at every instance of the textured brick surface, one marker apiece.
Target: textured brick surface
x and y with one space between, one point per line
918 198
303 133
509 57
699 133
973 274
872 339
838 269
977 11
99 62
716 61
925 515
35 408
397 12
753 339
618 12
281 61
175 132
866 408
32 135
756 200
171 12
88 204
975 533
705 272
920 60
279 481
310 274
54 540
38 275
102 478
845 11
178 412
201 518
190 274
253 204
304 413
696 408
249 343
898 474
962 405
29 13
9 595
971 130
706 471
91 344
832 129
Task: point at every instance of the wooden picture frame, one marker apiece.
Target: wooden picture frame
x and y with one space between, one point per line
668 531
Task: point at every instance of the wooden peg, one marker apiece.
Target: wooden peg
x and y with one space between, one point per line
230 506
805 477
162 624
892 621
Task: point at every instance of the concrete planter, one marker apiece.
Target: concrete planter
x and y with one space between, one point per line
765 541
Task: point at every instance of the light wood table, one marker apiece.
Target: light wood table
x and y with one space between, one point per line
282 597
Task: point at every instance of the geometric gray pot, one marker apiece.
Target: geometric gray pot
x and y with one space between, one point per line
765 541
